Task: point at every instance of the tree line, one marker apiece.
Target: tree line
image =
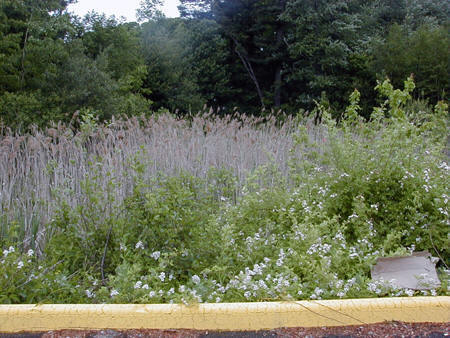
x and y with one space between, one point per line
254 56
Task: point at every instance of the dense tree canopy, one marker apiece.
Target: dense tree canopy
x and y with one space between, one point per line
253 55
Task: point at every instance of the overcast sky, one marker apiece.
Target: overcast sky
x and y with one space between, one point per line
126 8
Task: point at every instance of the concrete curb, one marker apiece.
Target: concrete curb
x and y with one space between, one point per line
224 316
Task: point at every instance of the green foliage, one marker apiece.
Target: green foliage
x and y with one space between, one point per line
27 278
423 53
149 10
52 65
322 51
89 227
295 50
181 67
248 56
18 108
396 98
173 219
209 54
118 43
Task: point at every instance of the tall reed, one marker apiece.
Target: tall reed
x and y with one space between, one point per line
38 168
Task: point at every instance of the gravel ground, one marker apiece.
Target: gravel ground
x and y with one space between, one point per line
390 329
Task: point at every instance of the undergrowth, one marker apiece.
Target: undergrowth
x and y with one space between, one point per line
362 190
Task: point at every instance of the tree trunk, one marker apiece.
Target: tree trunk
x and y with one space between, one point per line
248 67
277 94
279 45
277 82
22 71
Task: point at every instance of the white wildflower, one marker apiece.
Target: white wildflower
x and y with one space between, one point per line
322 190
138 284
339 236
155 255
195 279
139 245
145 286
351 281
353 253
30 253
341 294
318 291
162 276
7 252
262 284
281 257
409 292
152 294
374 287
443 212
299 235
114 292
444 166
20 265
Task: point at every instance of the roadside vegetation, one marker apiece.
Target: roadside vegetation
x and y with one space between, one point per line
210 208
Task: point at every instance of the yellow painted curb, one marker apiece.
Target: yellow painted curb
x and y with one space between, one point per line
225 316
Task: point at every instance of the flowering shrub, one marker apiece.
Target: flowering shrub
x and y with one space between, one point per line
356 191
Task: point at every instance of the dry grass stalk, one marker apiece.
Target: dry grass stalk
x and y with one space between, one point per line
38 168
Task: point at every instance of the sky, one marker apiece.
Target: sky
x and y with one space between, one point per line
126 8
